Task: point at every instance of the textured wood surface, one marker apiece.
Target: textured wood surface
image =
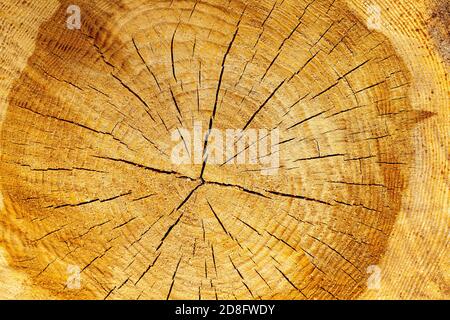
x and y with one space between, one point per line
360 195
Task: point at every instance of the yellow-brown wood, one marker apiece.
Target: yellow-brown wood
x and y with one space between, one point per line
358 205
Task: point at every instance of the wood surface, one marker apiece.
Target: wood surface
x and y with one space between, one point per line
356 209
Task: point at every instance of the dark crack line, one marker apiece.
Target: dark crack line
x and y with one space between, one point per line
134 93
281 240
75 124
228 185
263 104
218 219
172 54
175 102
156 170
305 120
173 278
248 225
213 115
294 196
95 259
290 282
168 231
49 233
124 223
146 65
321 157
148 269
334 250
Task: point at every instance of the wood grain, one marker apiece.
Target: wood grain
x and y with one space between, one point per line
87 179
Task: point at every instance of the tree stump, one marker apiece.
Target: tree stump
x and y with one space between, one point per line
90 122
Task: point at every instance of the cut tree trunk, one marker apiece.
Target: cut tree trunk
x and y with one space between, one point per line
350 201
